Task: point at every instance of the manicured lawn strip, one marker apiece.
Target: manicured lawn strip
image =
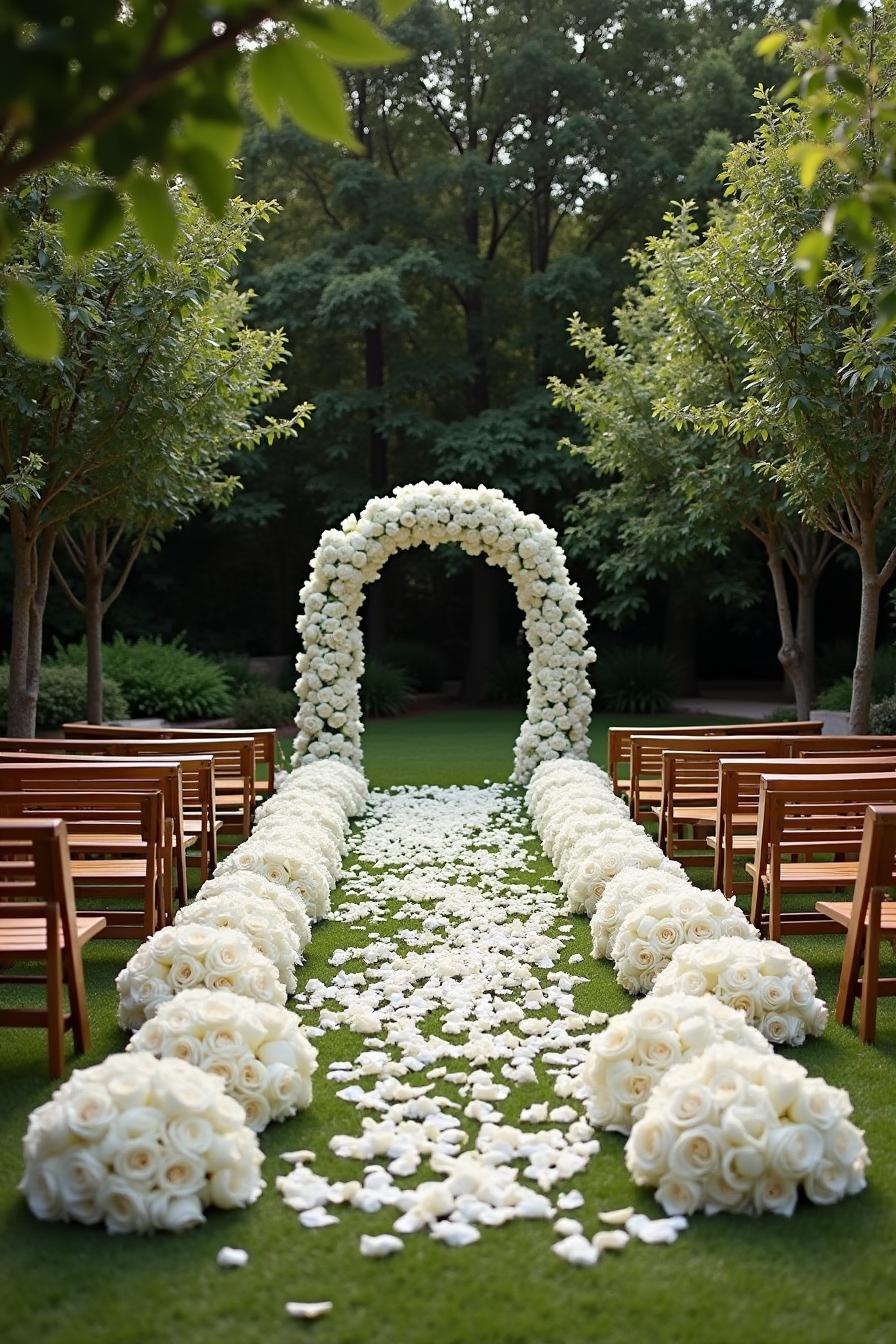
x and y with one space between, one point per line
821 1276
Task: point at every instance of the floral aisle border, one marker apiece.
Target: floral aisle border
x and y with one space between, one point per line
481 522
149 1138
715 1120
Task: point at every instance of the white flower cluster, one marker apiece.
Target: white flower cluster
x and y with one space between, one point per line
624 893
299 838
256 1049
292 907
650 933
637 1048
266 927
587 834
139 1144
188 956
773 989
741 1131
481 522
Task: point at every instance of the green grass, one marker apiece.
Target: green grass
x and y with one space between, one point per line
822 1276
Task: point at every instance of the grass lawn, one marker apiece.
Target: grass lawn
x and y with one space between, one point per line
822 1276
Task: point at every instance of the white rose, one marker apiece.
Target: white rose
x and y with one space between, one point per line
125 1208
793 1150
775 1194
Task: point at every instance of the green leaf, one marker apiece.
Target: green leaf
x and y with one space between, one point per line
264 80
348 39
885 314
92 218
809 256
210 176
310 88
393 9
770 45
33 321
154 212
810 158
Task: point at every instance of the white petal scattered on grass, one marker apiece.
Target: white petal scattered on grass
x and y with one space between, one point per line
377 1248
231 1257
317 1217
616 1217
655 1231
308 1311
567 1227
576 1250
301 1155
613 1239
455 1234
573 1199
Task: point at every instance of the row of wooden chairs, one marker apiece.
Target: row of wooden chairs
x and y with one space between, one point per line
801 809
110 817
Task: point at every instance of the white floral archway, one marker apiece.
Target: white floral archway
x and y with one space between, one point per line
480 521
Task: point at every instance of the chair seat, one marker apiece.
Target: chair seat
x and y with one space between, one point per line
28 937
108 870
841 911
801 876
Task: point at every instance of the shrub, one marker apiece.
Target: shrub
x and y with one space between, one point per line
63 696
260 705
159 679
385 690
421 663
635 680
883 716
838 694
509 680
783 714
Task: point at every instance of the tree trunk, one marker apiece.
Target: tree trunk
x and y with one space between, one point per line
93 624
484 632
790 655
863 673
21 710
680 635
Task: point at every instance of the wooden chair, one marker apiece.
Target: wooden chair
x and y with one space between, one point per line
38 922
645 788
690 795
619 739
200 822
867 917
234 755
737 808
119 847
821 815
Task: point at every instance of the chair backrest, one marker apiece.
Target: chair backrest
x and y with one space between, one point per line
646 754
35 875
877 859
263 744
813 812
845 745
619 739
122 814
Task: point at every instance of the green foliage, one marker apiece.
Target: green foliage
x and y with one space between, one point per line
508 681
259 705
883 716
63 696
838 694
158 679
150 92
637 679
783 714
421 663
844 84
385 690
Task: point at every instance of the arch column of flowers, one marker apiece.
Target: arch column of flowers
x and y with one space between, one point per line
482 522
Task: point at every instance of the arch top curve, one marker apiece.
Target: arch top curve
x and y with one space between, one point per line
481 521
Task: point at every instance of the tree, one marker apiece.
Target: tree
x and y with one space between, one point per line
133 425
844 85
671 493
819 375
144 92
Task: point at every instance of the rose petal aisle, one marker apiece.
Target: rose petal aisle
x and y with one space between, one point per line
458 979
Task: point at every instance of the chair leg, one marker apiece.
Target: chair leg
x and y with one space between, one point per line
77 1000
774 902
853 952
55 1010
871 971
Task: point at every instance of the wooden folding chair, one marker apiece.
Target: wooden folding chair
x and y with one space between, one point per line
120 846
821 815
200 823
234 754
867 917
690 795
38 922
737 811
619 739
